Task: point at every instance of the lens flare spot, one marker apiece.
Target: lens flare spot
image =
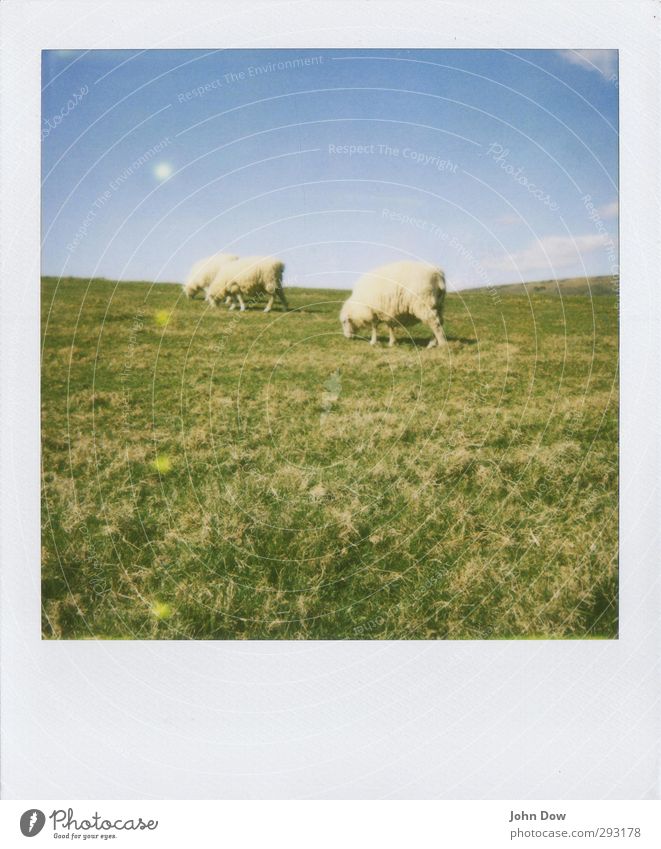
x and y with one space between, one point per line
161 610
162 464
163 170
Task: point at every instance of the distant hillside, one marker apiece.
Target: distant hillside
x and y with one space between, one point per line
605 285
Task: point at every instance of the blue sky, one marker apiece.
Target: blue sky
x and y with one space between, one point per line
498 166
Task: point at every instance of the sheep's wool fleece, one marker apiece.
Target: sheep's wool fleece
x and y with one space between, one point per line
248 275
401 288
204 270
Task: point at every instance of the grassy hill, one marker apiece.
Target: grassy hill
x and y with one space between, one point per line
215 475
587 286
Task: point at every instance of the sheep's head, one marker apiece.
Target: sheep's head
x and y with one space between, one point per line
348 327
353 316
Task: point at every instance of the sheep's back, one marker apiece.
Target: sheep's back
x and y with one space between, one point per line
258 273
393 290
204 270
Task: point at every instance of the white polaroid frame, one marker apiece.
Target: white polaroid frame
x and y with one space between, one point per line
209 720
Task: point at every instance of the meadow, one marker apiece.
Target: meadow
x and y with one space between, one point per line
214 475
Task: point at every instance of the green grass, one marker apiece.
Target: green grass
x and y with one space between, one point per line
209 475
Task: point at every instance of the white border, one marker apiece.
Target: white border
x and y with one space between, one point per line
330 720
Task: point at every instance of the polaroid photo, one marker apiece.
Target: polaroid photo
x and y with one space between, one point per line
330 407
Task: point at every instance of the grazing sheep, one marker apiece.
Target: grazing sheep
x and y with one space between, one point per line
203 272
401 293
249 277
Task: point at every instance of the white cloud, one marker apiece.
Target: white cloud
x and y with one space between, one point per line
609 210
602 61
550 253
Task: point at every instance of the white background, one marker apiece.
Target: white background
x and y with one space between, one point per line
498 720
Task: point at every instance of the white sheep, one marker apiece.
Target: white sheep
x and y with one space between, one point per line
401 293
248 277
203 272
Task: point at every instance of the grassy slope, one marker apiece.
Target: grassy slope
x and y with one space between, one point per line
588 286
210 475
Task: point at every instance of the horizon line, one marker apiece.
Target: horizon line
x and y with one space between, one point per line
610 276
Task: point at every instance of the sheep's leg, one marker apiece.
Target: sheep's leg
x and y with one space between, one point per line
374 339
242 306
391 337
269 303
283 300
231 300
437 329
